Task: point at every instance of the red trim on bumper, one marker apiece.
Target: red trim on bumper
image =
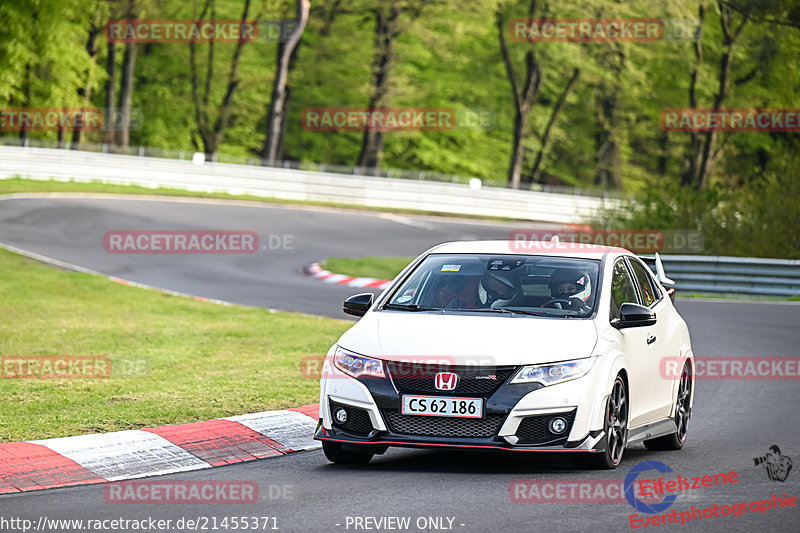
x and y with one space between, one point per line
436 444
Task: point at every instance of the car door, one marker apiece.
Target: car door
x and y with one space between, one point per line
663 338
633 342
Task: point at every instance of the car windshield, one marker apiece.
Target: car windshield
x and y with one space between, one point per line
481 283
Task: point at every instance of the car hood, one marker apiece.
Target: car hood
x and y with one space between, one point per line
470 339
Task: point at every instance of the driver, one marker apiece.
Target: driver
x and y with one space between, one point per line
571 285
498 289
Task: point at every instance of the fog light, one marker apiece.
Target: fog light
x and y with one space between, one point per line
341 415
558 425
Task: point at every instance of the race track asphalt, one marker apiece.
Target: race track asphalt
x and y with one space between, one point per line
733 421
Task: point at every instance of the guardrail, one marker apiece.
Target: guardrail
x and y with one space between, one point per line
733 275
292 184
381 172
707 274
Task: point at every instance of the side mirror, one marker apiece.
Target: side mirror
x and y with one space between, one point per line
634 316
359 304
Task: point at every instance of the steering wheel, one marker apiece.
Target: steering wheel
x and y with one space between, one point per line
558 301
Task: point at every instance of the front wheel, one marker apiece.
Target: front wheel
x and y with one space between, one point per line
675 441
336 454
615 428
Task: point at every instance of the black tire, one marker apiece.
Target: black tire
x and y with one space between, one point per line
335 454
615 430
675 441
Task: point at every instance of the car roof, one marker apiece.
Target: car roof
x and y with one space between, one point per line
561 249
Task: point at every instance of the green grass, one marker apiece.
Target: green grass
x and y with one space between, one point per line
201 360
21 185
367 267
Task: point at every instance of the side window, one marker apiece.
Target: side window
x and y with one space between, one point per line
650 294
622 290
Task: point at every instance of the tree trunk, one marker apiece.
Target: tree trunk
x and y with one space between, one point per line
276 117
86 92
523 96
608 154
536 172
23 133
126 94
690 175
704 152
111 94
726 63
371 155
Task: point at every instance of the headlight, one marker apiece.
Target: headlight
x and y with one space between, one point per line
357 365
553 373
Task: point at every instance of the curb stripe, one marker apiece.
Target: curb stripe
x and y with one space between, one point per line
120 455
315 271
311 410
27 466
292 429
125 454
219 442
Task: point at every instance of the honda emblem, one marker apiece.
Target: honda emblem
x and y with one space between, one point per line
446 381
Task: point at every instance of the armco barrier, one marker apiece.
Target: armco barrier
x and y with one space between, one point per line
734 275
289 184
715 275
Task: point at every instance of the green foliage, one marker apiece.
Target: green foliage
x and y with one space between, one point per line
449 56
758 219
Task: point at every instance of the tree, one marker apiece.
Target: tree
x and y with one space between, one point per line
276 117
524 95
211 135
126 84
388 27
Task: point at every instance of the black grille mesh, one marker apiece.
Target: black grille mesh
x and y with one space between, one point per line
472 380
536 430
441 426
357 419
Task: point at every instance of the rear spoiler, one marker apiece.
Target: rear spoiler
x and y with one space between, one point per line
655 264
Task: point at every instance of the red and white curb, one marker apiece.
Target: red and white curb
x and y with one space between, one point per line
317 272
44 464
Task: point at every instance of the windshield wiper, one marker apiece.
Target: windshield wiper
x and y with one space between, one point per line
514 310
410 307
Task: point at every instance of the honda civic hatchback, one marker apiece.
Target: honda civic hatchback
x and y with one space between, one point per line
562 348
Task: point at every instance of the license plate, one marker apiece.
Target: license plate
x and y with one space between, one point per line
441 406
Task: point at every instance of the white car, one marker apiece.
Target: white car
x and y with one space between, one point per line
560 347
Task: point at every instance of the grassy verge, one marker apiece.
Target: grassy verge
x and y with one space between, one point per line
367 267
195 360
21 185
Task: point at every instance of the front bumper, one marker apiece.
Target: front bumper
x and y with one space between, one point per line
515 418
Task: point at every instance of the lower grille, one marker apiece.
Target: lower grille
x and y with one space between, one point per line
358 421
536 429
478 381
440 426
